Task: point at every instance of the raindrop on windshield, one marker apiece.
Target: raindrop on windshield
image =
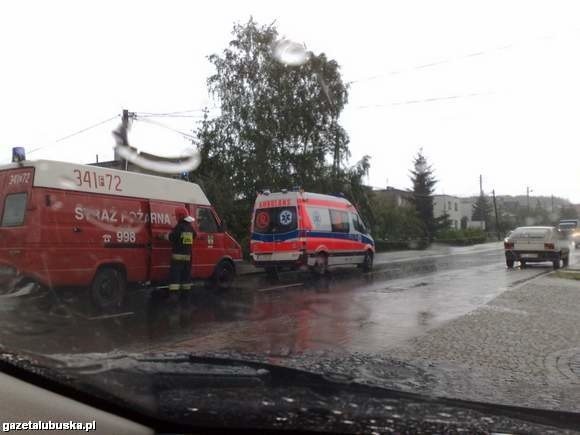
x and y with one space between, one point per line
290 53
187 162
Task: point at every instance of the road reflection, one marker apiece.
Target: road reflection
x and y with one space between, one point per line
344 312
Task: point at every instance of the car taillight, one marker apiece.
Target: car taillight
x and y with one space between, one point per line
548 246
508 245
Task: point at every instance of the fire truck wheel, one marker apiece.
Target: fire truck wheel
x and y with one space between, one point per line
320 264
108 289
367 264
224 275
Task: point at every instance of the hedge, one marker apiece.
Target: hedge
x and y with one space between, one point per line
394 245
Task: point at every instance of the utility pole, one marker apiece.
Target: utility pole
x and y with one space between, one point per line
120 135
481 185
528 197
497 228
552 203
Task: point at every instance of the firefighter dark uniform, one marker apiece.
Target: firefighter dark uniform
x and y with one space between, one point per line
181 238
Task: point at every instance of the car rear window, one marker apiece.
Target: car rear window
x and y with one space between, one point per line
568 225
14 210
531 233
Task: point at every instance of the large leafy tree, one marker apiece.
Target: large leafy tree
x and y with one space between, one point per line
424 183
394 222
278 125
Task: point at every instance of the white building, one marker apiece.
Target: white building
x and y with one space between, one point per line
450 205
466 208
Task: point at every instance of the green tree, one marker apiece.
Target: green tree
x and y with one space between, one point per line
278 126
482 210
423 187
395 223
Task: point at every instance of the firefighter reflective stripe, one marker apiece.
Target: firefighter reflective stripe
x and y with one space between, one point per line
187 238
181 257
174 287
186 286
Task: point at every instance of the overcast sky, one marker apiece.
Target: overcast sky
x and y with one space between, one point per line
488 87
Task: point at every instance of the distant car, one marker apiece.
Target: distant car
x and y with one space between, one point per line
537 244
570 228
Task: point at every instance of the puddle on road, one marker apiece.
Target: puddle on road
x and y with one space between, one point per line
347 312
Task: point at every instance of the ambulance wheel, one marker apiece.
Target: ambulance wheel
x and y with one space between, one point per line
108 290
320 264
224 275
367 264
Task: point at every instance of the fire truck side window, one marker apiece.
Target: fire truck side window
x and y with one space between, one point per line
206 221
14 209
339 221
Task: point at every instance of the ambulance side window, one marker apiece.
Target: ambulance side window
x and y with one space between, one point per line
320 218
358 224
14 210
339 221
206 221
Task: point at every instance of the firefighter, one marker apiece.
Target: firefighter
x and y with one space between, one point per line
181 238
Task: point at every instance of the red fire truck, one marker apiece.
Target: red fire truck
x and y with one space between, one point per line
78 226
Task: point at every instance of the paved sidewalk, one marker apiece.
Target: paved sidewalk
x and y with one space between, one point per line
523 348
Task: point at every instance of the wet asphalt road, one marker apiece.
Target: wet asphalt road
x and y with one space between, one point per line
347 311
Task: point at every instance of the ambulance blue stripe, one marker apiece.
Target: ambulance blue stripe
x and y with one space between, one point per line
279 237
283 237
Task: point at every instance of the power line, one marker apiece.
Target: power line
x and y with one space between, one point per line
76 133
178 112
425 100
145 115
452 59
159 124
87 128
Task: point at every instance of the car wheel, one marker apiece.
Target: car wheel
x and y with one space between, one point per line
107 290
523 264
509 263
367 264
320 264
556 264
223 276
